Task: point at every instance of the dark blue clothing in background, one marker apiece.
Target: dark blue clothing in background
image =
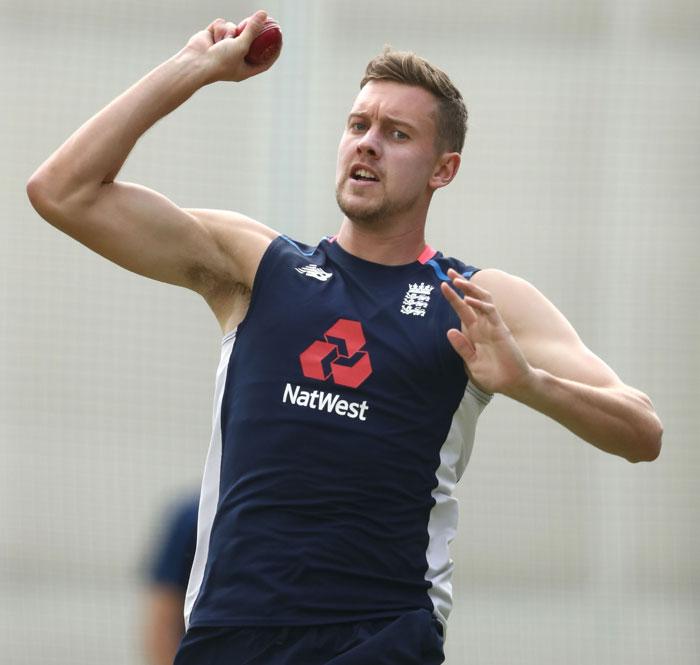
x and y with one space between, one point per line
174 553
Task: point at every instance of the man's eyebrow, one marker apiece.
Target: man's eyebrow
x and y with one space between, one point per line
398 121
389 118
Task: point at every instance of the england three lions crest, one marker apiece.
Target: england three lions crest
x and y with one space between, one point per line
417 299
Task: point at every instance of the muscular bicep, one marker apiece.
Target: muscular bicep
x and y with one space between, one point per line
567 359
140 230
146 233
544 335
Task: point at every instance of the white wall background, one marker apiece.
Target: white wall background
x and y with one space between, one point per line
581 173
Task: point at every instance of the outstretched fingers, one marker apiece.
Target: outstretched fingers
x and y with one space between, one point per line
476 297
468 287
459 304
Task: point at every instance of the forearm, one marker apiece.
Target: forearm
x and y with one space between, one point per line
164 624
94 154
619 420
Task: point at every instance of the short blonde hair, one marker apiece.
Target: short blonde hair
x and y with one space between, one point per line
410 69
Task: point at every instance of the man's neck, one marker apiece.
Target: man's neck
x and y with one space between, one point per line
391 249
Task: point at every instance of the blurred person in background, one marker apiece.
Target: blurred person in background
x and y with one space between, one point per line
352 373
168 574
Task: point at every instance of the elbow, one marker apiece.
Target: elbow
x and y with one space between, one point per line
46 197
35 190
40 197
649 447
59 199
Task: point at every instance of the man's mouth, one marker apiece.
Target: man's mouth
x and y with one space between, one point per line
363 175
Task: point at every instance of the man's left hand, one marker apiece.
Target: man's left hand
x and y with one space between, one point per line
491 355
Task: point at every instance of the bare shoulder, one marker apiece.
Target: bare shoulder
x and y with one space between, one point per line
240 240
232 220
511 294
225 224
523 307
544 334
494 279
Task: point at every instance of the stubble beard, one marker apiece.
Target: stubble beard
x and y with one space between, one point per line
372 213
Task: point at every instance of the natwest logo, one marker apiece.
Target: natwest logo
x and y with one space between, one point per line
340 356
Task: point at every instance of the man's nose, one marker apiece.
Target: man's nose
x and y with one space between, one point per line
370 143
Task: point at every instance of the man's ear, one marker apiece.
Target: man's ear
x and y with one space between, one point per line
445 170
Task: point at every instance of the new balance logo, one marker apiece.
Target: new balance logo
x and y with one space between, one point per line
417 299
312 270
339 356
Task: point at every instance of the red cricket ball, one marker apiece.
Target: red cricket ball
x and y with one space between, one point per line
266 45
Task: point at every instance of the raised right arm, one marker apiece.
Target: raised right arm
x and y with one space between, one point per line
137 228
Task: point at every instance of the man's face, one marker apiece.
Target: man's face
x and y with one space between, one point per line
387 153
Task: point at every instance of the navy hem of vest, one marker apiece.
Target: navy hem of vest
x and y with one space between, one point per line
356 618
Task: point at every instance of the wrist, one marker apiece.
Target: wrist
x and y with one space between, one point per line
196 69
527 386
